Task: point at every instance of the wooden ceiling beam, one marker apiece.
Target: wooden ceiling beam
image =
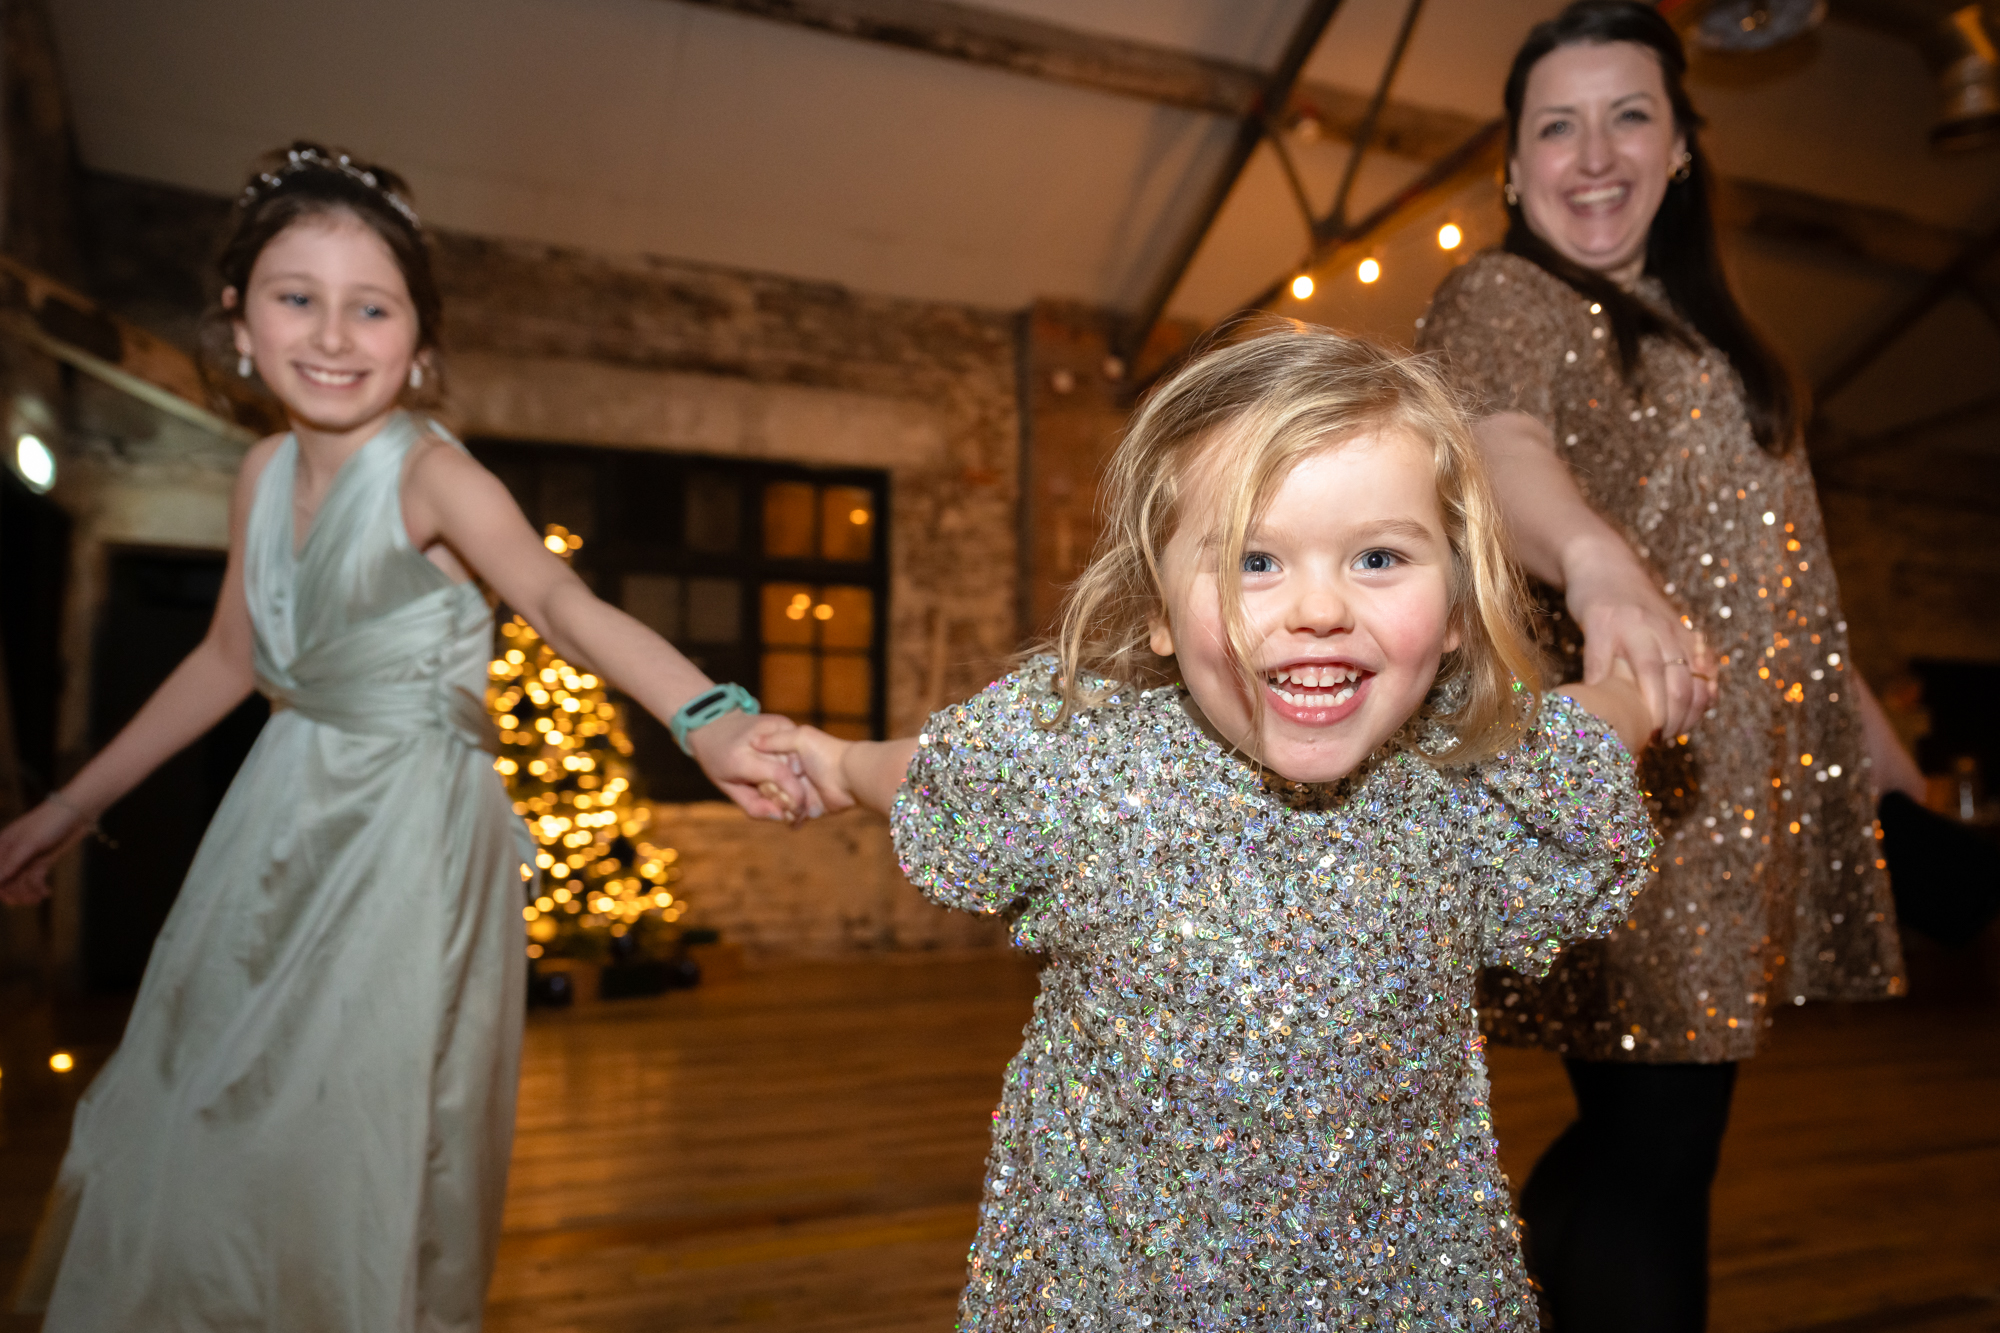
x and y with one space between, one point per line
1879 237
1797 219
1251 129
1405 129
1111 65
1025 46
1972 257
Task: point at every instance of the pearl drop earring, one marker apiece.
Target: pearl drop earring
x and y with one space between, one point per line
244 365
416 376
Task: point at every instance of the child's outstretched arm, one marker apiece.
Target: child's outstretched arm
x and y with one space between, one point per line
847 773
450 498
1618 700
1558 838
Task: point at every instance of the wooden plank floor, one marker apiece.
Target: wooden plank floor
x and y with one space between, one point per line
801 1149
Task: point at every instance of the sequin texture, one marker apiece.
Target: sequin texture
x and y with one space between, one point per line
1771 882
1252 1094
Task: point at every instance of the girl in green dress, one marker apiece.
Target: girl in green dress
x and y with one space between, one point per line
307 1125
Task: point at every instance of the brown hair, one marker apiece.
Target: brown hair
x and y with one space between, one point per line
307 181
1259 407
1681 246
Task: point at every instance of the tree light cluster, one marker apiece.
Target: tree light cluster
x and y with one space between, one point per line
565 761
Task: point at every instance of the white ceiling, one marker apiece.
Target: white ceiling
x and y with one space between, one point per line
650 126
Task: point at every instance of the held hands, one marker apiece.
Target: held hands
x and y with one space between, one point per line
1616 699
823 761
739 753
33 843
1627 621
847 773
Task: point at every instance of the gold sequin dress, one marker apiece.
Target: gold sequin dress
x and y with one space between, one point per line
1771 885
1252 1097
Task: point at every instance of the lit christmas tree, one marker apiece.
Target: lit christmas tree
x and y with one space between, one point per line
565 760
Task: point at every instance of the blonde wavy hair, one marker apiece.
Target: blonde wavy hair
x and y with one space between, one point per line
1249 412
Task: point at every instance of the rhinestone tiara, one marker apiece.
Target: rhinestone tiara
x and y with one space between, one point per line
312 159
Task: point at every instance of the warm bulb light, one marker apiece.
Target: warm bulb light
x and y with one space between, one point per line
858 517
1369 270
62 1062
555 543
1302 286
35 463
1449 237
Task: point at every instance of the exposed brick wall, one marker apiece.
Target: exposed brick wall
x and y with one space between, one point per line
38 170
1917 580
1078 397
646 353
831 887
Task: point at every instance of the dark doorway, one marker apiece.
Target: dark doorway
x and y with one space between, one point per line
156 609
34 549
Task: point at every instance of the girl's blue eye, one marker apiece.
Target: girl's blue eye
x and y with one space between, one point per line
1256 562
373 311
1377 560
1554 127
294 299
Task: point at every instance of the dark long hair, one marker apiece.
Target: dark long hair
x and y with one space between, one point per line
309 181
1681 249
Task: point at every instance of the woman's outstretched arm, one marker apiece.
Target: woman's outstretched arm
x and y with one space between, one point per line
1561 540
1890 766
209 682
450 498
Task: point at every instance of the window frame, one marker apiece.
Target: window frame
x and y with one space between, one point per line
618 541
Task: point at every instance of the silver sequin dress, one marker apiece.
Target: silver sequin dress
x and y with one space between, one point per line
1252 1095
1771 885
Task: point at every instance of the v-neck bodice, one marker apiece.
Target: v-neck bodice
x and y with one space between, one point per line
356 628
328 1029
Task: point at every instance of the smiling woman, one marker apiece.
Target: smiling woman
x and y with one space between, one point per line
1645 444
1596 146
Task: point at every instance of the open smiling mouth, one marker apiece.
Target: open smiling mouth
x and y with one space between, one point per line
1316 687
1598 198
331 379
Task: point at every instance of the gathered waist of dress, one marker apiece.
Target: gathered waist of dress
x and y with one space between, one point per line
420 667
402 708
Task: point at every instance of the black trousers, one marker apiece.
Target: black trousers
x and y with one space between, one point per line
1617 1209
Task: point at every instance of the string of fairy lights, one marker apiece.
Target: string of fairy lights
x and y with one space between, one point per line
565 759
1449 237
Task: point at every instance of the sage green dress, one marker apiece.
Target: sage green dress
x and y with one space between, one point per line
307 1125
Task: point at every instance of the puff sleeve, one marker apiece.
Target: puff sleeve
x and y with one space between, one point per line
975 824
1556 839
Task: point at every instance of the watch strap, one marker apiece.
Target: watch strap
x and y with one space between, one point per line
706 707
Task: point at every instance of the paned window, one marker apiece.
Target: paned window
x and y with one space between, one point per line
771 575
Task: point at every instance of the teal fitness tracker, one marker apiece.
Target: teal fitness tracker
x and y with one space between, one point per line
707 706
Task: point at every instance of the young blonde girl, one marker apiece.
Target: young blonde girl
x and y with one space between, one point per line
1280 790
308 1122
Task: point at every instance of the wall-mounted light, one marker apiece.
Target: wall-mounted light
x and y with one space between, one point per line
1369 270
35 463
1449 236
1302 287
